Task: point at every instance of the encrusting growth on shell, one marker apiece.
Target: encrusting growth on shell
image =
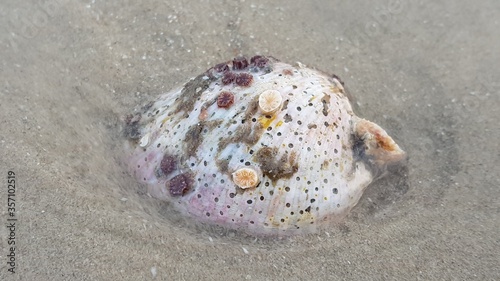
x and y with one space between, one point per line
144 141
246 178
225 99
378 144
270 101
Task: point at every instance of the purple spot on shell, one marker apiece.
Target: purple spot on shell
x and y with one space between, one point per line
168 164
240 63
225 99
244 79
259 61
221 67
228 78
179 185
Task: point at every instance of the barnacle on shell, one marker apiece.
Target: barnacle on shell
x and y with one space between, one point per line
270 101
225 99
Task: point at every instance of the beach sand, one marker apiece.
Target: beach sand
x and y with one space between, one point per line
71 69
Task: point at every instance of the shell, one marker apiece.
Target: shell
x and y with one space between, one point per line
313 156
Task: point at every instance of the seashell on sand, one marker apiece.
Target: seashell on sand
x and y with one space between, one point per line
259 146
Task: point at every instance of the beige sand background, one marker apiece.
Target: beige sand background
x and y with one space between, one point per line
426 71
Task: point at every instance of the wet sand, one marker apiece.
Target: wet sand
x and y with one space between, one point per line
70 70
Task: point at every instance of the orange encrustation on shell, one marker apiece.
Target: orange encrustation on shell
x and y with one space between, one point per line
258 145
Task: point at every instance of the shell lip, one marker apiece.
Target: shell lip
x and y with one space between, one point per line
372 145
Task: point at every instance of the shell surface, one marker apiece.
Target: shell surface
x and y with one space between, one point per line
302 162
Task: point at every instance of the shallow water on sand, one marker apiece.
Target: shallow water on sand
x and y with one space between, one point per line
70 70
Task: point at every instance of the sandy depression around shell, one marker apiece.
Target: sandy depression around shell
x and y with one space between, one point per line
260 146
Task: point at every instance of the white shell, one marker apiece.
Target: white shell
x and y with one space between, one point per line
311 151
